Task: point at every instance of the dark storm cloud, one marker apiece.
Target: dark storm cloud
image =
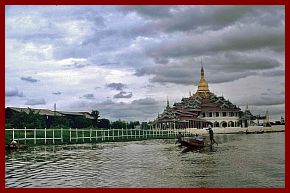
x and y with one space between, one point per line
241 62
57 93
116 86
187 78
218 69
123 94
165 43
233 39
171 19
13 93
32 102
203 18
29 79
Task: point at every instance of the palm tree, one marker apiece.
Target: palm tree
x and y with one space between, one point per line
96 115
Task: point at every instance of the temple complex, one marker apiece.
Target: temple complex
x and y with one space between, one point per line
202 109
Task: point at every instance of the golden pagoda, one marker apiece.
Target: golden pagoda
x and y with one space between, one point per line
202 89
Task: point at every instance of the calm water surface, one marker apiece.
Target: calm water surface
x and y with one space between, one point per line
256 160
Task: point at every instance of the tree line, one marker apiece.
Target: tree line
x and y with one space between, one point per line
33 119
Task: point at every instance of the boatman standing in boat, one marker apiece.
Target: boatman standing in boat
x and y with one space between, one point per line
210 131
179 138
13 144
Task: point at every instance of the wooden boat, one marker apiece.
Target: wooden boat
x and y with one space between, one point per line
193 144
14 147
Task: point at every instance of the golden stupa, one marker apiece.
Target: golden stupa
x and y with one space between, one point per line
202 89
202 85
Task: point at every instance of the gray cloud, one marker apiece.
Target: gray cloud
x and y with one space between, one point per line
280 73
32 102
116 86
29 79
57 93
123 94
187 72
217 17
203 17
141 109
145 101
149 11
109 63
275 111
88 96
13 93
265 99
229 40
77 65
163 44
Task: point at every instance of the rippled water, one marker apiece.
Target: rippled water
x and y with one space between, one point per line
256 160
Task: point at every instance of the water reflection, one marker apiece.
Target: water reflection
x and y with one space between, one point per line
152 163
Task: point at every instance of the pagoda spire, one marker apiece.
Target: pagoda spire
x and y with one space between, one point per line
202 85
201 71
167 102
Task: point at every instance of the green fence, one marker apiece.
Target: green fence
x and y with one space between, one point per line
92 135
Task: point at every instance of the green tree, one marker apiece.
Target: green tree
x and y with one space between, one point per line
59 122
119 124
28 120
104 123
80 122
96 115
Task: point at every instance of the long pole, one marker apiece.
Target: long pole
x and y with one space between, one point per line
113 134
90 134
24 134
44 135
122 132
34 135
13 134
53 135
83 135
61 135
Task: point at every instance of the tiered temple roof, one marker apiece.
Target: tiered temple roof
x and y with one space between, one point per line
202 101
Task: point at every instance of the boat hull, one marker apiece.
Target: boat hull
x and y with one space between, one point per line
194 144
11 147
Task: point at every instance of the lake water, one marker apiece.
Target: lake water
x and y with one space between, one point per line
255 160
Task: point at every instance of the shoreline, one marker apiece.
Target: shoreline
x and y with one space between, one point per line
239 130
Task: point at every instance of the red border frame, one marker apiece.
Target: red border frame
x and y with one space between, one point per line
134 2
145 2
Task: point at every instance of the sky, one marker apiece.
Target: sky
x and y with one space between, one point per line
124 61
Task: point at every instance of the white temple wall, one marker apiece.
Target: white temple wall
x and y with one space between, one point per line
230 121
